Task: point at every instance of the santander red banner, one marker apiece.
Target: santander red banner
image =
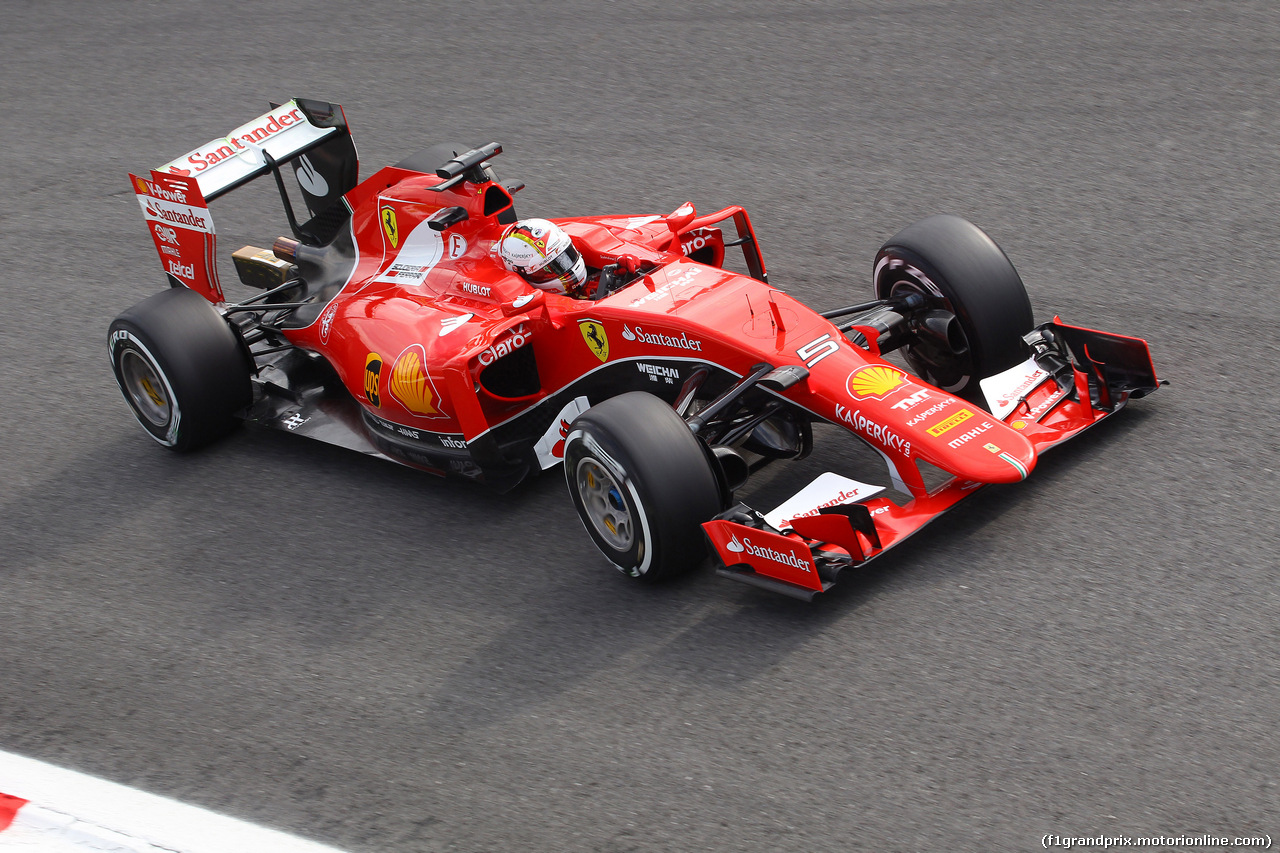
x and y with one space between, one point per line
221 163
181 229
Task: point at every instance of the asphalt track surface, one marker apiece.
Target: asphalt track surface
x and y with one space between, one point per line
378 660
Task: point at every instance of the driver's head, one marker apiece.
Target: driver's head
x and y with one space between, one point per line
544 255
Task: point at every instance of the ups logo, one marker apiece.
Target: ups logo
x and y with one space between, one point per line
373 378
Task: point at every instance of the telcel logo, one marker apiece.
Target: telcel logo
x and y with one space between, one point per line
183 271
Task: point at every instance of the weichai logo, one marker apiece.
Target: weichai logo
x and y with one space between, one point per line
948 423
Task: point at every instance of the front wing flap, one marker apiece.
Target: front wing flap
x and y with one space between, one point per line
1073 379
809 552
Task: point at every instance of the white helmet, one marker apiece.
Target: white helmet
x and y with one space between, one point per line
541 252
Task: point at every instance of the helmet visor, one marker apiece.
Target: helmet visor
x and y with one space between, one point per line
556 268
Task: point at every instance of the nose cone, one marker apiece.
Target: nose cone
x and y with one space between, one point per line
981 448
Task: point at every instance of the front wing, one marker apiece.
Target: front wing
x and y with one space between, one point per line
1075 378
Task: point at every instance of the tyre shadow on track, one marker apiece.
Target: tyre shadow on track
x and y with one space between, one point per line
320 548
701 632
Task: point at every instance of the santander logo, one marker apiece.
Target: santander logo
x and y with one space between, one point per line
786 558
241 138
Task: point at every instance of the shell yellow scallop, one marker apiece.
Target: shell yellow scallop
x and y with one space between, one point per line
409 382
875 381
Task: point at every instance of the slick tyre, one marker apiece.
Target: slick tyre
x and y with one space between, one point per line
961 272
642 484
181 367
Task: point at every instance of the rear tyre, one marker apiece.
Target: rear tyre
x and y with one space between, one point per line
962 272
181 367
642 484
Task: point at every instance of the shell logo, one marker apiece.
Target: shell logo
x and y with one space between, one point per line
876 381
411 386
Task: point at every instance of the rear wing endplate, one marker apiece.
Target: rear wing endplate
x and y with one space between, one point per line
310 135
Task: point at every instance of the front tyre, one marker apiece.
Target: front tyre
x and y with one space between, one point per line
181 367
962 274
642 484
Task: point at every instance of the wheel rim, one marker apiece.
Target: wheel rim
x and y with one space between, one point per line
936 365
146 390
604 505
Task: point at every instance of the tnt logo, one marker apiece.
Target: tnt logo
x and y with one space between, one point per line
912 401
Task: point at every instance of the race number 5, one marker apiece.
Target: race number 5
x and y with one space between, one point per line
817 349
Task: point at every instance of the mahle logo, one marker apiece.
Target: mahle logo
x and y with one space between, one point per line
593 333
389 227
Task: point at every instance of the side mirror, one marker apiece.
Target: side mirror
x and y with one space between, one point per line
680 218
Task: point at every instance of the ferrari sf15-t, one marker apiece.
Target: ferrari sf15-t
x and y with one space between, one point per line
385 323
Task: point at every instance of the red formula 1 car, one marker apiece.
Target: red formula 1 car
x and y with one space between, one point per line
386 324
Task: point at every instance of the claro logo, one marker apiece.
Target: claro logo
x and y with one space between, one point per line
506 346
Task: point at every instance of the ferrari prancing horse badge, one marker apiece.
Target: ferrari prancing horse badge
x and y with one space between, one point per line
593 333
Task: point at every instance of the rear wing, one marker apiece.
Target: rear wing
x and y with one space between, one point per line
312 136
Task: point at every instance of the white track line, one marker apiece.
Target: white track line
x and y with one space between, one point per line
68 812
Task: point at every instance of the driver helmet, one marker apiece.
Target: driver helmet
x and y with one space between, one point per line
544 255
